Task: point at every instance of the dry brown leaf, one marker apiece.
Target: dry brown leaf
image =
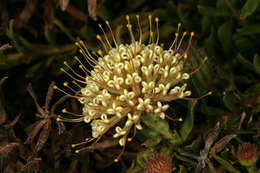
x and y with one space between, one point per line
7 148
211 137
36 127
4 15
5 46
12 123
76 13
220 145
9 169
26 13
73 166
63 4
32 164
42 126
48 14
92 8
43 136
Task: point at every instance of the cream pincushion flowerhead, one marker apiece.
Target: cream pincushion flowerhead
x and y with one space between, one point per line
128 80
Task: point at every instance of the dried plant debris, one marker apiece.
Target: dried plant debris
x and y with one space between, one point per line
220 145
26 13
32 165
46 114
42 126
49 14
80 15
5 46
209 150
92 7
8 140
5 149
63 4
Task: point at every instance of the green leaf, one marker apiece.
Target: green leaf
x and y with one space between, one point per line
245 62
205 23
225 163
225 35
140 161
230 102
210 44
188 123
255 66
157 124
251 169
243 44
249 30
183 14
50 37
257 63
12 36
210 11
31 72
211 110
249 7
184 159
152 142
253 90
143 156
196 81
168 29
64 29
27 44
183 169
103 13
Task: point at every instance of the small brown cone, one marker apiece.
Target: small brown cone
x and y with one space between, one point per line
247 154
158 163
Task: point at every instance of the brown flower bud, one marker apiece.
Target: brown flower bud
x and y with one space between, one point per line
247 154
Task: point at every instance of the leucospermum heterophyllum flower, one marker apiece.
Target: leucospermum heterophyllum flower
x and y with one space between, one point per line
128 80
